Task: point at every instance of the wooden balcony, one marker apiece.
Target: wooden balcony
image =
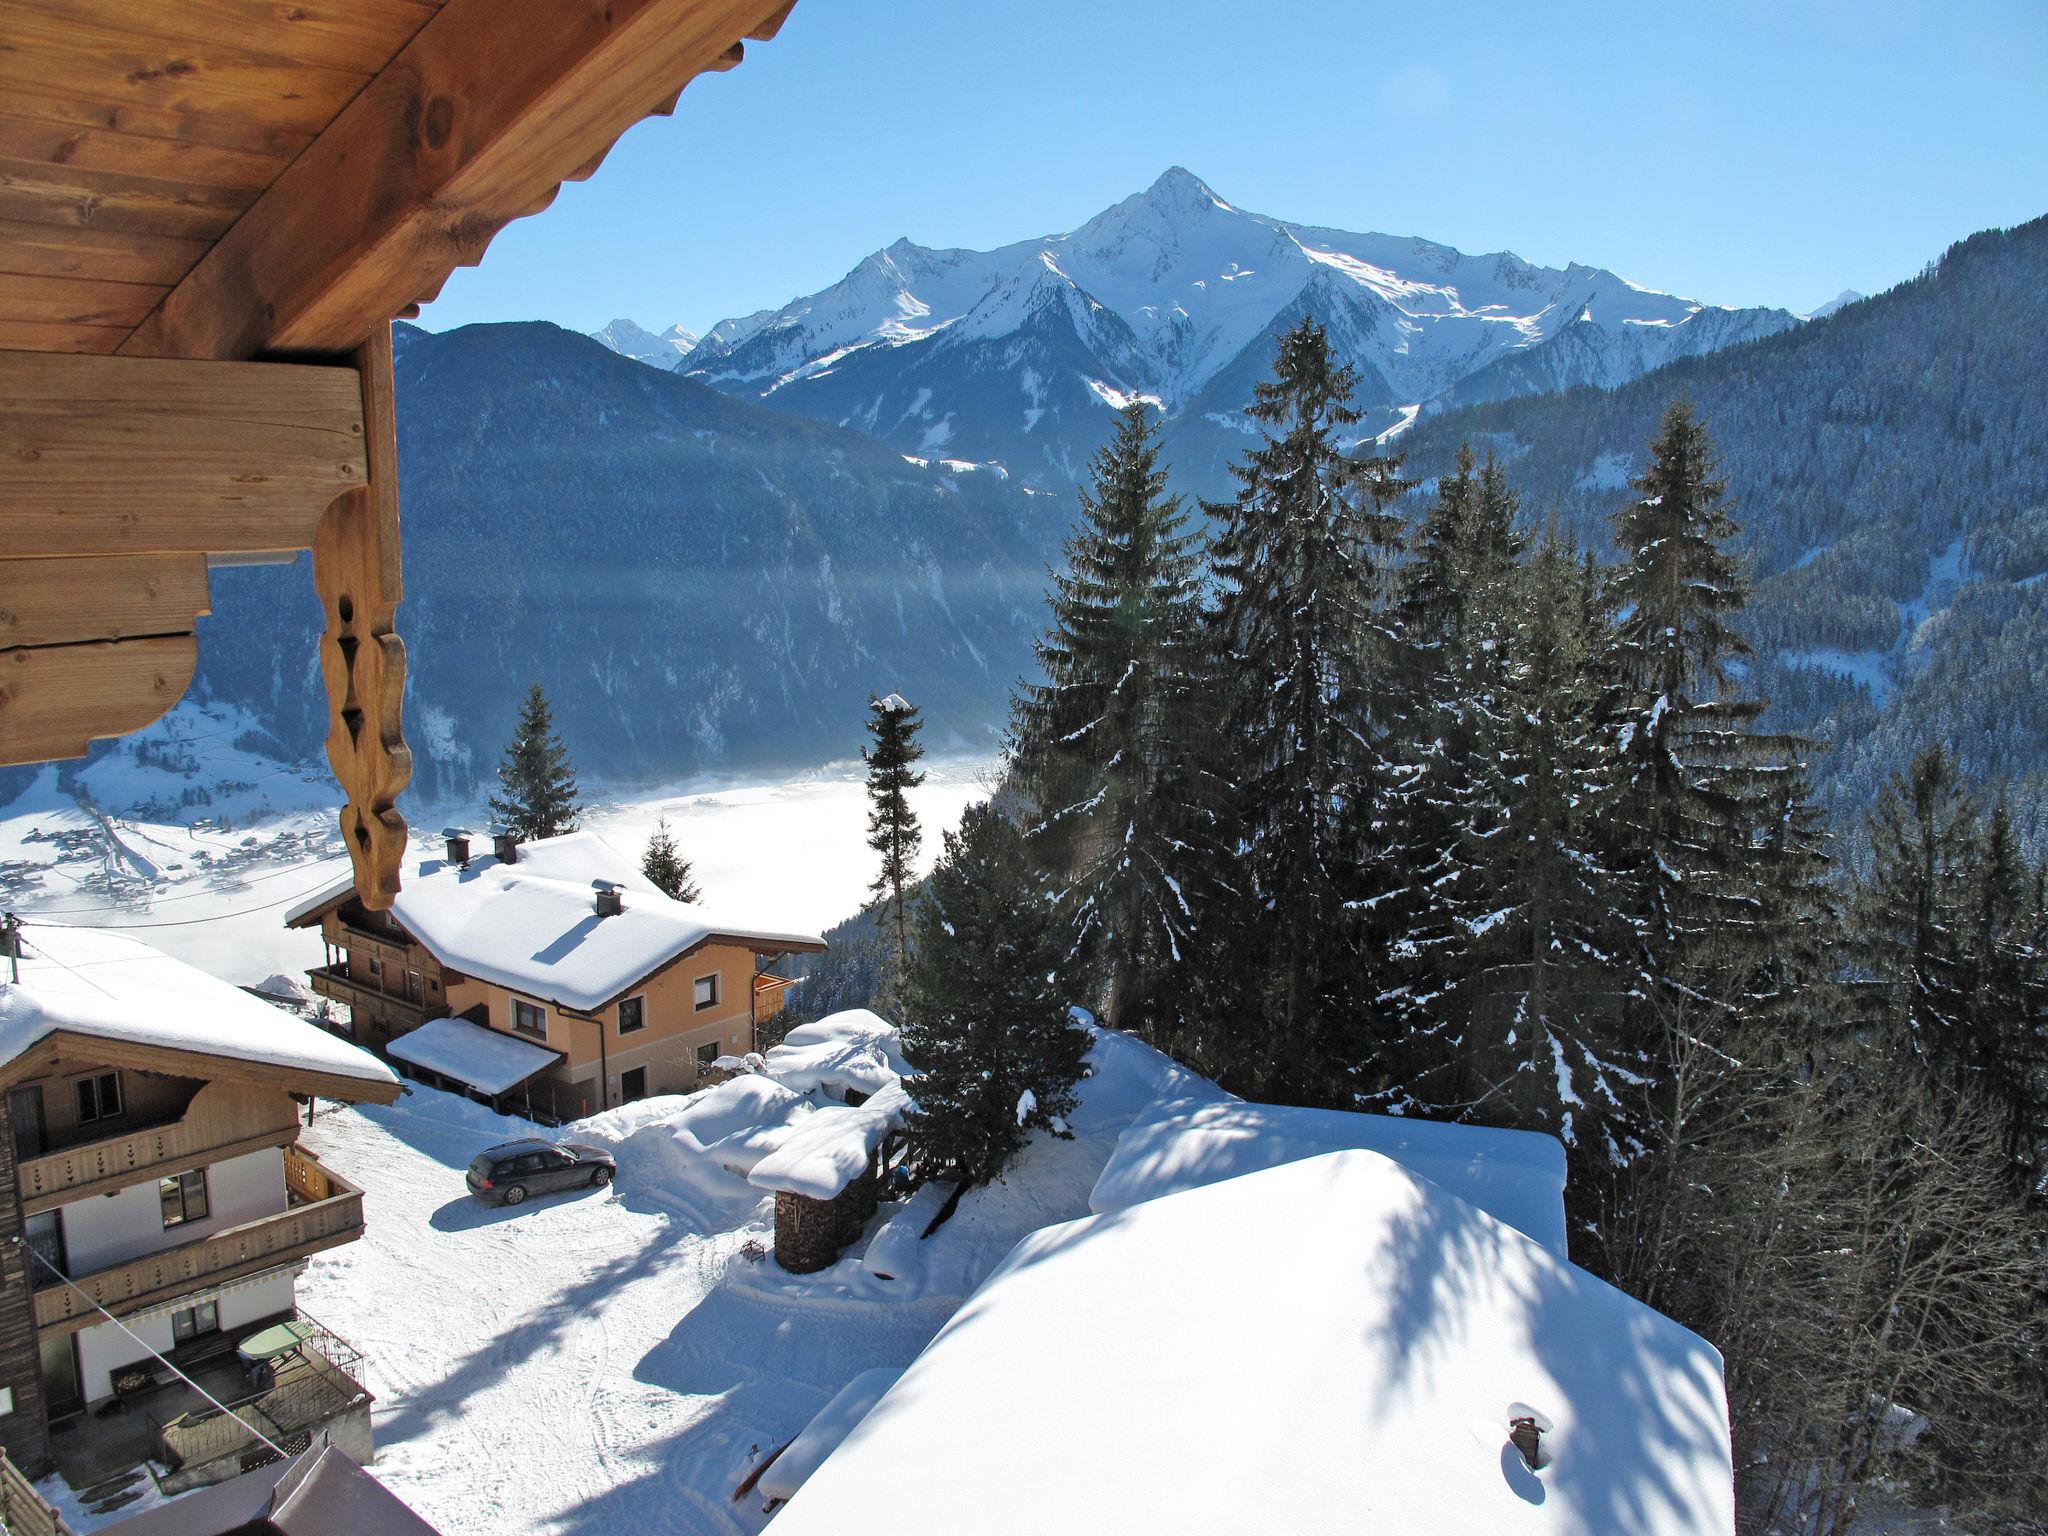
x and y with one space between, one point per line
228 1254
366 998
396 953
223 1120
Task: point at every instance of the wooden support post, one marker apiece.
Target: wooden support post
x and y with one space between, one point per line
357 574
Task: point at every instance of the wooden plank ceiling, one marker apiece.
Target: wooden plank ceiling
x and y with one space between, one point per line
240 183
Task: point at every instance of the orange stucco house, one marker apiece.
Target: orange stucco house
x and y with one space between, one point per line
548 978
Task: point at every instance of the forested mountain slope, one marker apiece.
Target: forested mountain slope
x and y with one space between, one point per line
698 582
1889 465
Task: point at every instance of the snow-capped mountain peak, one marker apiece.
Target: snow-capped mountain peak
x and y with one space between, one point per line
663 349
1176 294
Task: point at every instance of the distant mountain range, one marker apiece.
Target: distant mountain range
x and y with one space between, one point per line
1889 466
705 579
700 583
1020 355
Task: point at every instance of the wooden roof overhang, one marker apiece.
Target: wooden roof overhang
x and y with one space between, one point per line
210 211
60 1046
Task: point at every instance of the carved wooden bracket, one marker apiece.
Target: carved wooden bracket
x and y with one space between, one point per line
357 572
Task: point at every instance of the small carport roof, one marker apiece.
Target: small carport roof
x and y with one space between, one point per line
490 1062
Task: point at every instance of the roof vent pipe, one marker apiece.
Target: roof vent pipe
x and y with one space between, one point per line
505 844
458 845
1526 1429
611 901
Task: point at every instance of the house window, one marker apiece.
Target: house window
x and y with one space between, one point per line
413 987
529 1018
99 1098
376 966
183 1196
193 1321
707 1054
633 1085
706 991
632 1015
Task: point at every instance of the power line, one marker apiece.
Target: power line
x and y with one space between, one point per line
103 1312
332 858
188 922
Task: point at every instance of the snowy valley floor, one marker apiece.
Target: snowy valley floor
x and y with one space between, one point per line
617 1361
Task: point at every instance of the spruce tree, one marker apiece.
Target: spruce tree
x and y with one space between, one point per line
1299 637
1530 906
666 868
1721 859
539 785
1456 619
984 1022
1105 748
893 831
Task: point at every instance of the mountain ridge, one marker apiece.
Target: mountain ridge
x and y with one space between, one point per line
1170 290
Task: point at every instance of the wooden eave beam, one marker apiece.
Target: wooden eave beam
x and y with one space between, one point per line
119 477
476 122
58 1050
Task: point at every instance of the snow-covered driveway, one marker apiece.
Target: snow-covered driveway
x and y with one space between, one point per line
574 1364
616 1361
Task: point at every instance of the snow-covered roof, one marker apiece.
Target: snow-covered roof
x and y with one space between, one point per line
1517 1176
1331 1345
827 1150
855 1049
90 981
822 1436
489 1061
532 925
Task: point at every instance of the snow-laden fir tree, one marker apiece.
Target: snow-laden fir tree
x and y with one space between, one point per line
983 1016
665 867
1533 933
1720 864
1105 748
893 831
539 785
1456 615
1300 644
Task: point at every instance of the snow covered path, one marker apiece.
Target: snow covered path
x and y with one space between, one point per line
615 1361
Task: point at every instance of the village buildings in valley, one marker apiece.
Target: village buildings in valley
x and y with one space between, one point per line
547 978
156 1210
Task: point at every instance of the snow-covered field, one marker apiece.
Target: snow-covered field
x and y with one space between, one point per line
618 1361
188 835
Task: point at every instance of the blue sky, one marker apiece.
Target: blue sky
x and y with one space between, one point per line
1739 153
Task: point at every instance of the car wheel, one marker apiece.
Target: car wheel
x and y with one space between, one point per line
515 1193
600 1176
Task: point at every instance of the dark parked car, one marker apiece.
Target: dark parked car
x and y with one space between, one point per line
509 1173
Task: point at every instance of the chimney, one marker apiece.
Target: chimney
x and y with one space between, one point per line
505 844
611 900
1526 1429
458 845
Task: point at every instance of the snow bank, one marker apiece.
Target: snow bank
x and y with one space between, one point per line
1281 1352
828 1150
822 1436
854 1051
1517 1176
896 1252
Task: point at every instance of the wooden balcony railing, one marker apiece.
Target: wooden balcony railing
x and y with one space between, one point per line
223 1120
336 984
392 951
226 1255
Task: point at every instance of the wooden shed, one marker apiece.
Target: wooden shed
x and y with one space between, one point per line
210 212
